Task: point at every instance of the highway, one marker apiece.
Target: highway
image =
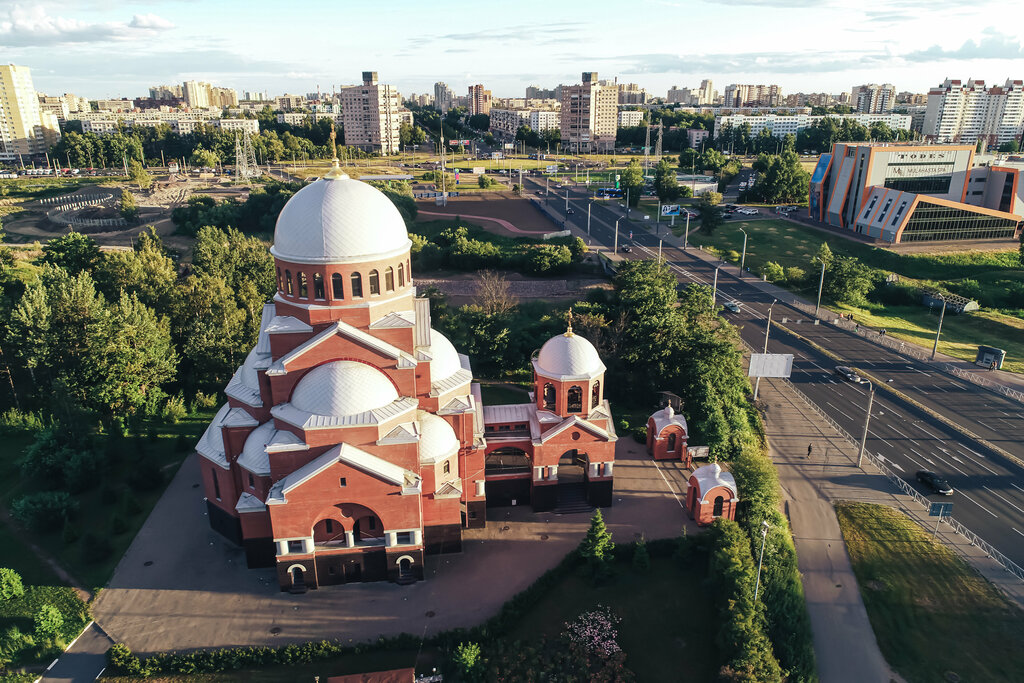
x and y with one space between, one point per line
989 488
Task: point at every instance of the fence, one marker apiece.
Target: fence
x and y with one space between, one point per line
975 540
58 215
66 202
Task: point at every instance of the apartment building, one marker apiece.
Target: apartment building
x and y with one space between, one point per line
24 127
677 95
873 98
969 112
479 100
370 113
739 95
631 93
166 92
288 102
184 125
780 126
706 94
630 118
506 122
196 93
444 97
589 117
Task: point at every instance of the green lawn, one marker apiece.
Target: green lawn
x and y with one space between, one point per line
99 506
931 613
668 621
501 394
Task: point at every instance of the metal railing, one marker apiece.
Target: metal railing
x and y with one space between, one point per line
900 483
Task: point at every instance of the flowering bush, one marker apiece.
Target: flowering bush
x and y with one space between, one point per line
595 631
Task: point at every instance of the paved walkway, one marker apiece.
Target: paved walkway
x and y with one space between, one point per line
180 586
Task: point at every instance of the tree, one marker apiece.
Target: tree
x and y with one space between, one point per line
468 660
146 271
665 184
10 584
781 178
548 258
631 180
128 208
847 281
139 175
772 272
74 252
597 546
517 190
1010 147
641 558
823 255
493 293
485 181
208 328
710 213
479 121
45 511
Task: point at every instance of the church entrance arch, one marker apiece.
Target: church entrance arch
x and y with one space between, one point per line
572 492
298 576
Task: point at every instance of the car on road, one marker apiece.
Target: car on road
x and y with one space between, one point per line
748 212
732 306
934 482
848 374
625 248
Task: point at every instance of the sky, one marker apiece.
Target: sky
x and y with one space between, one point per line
103 48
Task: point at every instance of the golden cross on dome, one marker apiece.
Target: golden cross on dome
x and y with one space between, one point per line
568 330
335 171
334 145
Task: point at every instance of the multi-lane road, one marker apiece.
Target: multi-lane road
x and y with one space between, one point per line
988 487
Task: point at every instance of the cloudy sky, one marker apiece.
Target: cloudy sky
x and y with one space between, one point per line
105 48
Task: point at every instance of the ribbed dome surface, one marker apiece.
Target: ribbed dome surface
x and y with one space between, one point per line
445 361
569 356
338 220
343 388
437 438
254 453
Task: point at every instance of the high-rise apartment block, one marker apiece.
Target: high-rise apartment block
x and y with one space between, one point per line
166 92
371 115
737 95
197 93
24 127
631 93
968 112
444 98
479 100
589 114
706 95
535 93
873 98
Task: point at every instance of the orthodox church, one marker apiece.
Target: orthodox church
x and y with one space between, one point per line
354 440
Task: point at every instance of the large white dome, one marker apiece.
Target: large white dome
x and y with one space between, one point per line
339 220
437 438
569 356
343 388
444 358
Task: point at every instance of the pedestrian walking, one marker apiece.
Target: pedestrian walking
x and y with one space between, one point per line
810 449
992 366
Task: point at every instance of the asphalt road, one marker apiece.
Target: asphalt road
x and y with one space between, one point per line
989 488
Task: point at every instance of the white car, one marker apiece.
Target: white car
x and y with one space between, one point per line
748 212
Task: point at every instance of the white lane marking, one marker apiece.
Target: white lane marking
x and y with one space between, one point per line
838 411
1017 531
949 464
931 434
892 463
1005 500
941 389
976 462
875 434
916 463
1016 487
978 504
923 456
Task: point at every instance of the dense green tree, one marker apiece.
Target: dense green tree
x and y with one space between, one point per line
10 584
548 258
631 180
74 252
48 622
847 280
146 271
597 547
479 121
1010 147
781 178
203 158
209 328
139 175
6 259
468 659
823 255
127 206
710 212
665 184
772 272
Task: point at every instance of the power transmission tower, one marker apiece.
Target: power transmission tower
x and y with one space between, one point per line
647 150
657 146
245 157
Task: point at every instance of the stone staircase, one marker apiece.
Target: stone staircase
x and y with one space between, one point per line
572 499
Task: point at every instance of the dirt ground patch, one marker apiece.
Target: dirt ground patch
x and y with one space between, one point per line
523 216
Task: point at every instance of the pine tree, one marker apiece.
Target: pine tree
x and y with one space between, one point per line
597 545
128 207
641 558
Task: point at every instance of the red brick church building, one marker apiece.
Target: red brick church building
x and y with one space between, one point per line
354 440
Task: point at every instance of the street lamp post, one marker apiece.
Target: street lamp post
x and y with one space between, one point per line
821 283
867 421
588 216
764 540
714 289
615 248
686 230
567 201
942 315
767 329
743 258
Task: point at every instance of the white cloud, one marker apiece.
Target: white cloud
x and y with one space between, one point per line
34 27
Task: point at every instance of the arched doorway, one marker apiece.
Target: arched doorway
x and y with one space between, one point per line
405 568
572 492
298 577
328 532
716 510
368 529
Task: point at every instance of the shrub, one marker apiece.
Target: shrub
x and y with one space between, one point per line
772 272
548 258
10 584
795 275
641 558
70 533
46 511
595 631
83 470
48 621
132 506
13 420
204 401
640 434
174 410
467 655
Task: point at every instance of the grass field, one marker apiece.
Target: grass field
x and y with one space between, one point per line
501 394
789 244
667 618
932 614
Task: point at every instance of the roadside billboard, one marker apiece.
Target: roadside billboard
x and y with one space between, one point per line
551 168
669 209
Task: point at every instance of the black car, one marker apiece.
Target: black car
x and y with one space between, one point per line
848 374
935 482
570 210
626 248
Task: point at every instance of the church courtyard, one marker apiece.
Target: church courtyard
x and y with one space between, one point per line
182 586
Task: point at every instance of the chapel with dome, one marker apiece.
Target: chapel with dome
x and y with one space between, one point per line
354 440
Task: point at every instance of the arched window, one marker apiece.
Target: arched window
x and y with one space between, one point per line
549 396
716 511
280 283
374 282
672 442
401 275
337 286
389 279
508 460
318 286
288 282
357 285
575 400
303 286
595 395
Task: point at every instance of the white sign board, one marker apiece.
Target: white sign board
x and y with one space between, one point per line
478 170
551 168
669 209
696 452
771 365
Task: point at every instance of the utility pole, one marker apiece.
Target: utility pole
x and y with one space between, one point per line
714 288
567 201
743 259
942 315
821 283
686 232
867 421
588 216
767 329
616 247
764 540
